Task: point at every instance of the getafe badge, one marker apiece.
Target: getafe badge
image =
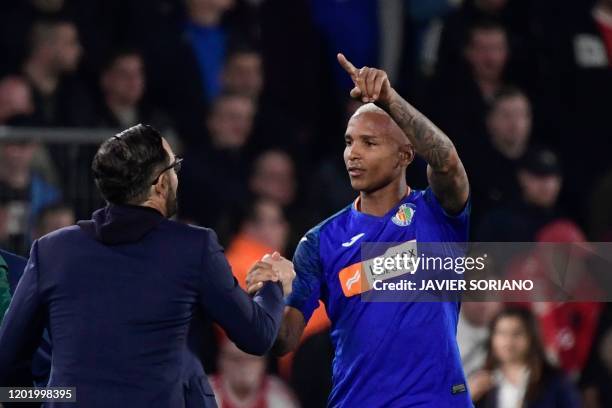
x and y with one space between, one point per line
404 215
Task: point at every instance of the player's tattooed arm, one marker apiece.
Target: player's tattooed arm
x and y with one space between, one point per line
290 332
445 172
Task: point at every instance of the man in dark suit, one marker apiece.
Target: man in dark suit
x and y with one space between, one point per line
120 291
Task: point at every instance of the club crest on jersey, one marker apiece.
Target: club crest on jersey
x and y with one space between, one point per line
404 215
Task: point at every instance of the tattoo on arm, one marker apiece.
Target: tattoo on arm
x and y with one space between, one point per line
429 141
445 172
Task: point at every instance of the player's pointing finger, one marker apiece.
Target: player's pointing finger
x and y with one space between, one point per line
346 64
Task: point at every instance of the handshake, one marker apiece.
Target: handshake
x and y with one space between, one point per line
273 268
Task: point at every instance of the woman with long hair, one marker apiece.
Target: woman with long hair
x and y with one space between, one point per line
516 373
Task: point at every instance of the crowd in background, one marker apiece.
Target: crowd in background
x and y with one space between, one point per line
248 91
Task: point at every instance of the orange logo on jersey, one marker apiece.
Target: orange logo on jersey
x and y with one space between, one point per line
353 280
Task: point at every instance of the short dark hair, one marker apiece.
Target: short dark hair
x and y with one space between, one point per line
53 208
225 95
118 53
125 164
482 24
42 30
506 92
240 50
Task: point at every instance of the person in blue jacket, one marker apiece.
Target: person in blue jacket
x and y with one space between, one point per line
119 292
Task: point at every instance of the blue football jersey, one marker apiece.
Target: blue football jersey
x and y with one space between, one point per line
387 354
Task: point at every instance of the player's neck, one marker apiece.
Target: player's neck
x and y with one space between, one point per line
381 201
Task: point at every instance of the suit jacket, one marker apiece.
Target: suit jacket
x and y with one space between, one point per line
119 293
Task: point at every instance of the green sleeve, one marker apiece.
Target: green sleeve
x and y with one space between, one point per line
5 296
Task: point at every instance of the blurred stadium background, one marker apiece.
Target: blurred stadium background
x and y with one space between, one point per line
250 93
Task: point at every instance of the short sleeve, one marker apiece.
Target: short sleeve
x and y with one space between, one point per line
455 228
309 274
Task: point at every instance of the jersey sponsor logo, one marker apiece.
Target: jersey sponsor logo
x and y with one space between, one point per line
404 215
353 240
353 279
359 277
350 280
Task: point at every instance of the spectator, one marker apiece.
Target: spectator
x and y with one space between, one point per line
15 98
459 102
508 125
52 218
23 193
16 21
567 328
351 26
487 54
275 125
264 230
597 377
123 85
580 85
54 54
516 370
473 332
231 121
242 382
512 15
206 198
426 20
208 40
283 25
273 177
540 179
243 73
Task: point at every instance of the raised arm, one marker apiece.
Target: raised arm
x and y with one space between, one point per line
445 172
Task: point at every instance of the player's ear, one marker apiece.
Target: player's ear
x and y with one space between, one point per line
162 185
406 154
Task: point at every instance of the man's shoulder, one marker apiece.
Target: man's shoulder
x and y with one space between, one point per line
332 220
309 244
193 232
62 233
178 229
189 229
